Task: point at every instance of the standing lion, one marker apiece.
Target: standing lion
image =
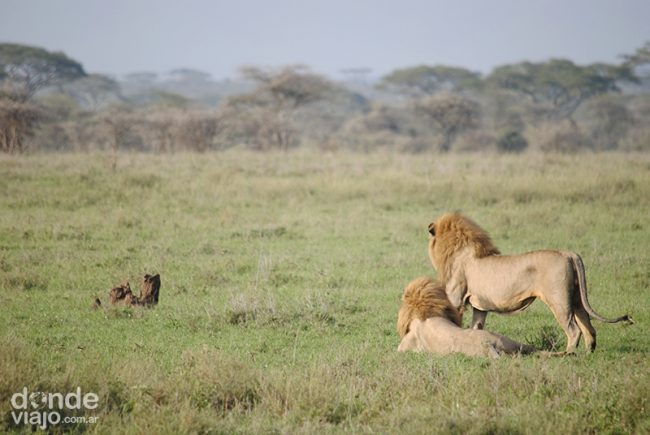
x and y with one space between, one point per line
474 271
428 322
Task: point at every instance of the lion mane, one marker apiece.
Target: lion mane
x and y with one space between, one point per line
424 298
451 233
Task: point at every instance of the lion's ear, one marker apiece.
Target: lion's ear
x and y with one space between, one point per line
432 228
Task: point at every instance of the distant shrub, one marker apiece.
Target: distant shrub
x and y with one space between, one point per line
51 137
475 140
85 134
608 123
17 122
385 127
117 125
196 131
512 142
258 128
416 146
159 129
451 114
380 119
562 137
636 139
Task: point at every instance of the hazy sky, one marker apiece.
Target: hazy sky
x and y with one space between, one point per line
120 36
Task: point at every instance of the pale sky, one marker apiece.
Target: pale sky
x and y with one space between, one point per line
122 36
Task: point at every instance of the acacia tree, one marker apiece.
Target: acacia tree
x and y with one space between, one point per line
158 127
611 121
142 79
424 80
117 124
188 82
288 88
94 90
17 120
264 115
451 114
559 83
196 131
640 57
25 69
188 75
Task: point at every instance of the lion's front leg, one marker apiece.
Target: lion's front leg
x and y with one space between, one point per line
410 342
456 290
478 318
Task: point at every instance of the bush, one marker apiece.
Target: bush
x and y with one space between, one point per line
512 142
451 114
17 122
474 141
610 122
382 127
636 139
51 137
562 137
84 134
196 131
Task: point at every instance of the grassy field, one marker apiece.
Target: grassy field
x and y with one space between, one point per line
281 281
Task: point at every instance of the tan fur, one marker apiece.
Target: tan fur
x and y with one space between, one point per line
473 271
428 322
422 299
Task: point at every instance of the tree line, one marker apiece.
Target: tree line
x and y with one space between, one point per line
48 101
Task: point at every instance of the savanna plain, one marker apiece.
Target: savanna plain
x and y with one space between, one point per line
282 275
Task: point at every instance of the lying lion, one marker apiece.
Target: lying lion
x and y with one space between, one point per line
428 322
474 271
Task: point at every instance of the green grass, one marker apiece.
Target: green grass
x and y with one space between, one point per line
281 281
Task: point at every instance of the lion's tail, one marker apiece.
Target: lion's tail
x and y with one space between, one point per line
579 268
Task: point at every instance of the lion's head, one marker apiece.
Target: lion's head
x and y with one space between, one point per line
452 232
424 298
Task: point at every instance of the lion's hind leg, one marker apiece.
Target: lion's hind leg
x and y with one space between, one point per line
562 310
572 332
584 323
